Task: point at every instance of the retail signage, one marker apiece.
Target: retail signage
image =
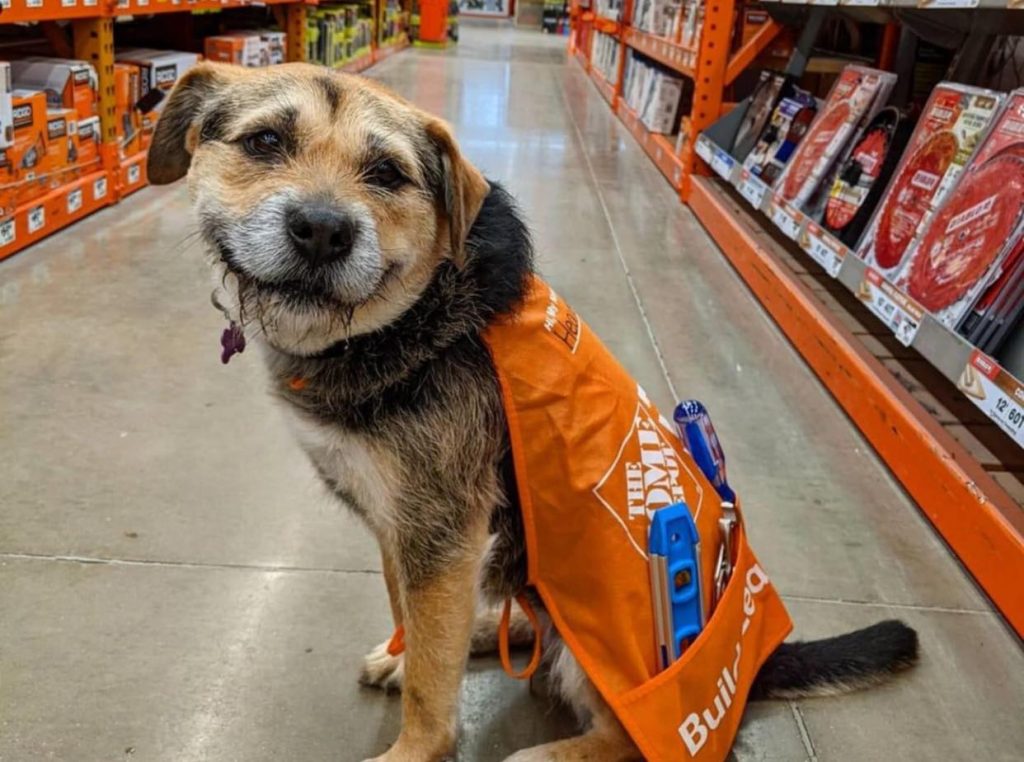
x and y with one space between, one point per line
722 162
786 218
751 188
897 310
36 218
823 248
998 394
74 200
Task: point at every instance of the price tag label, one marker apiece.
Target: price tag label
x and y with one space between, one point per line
8 233
134 173
897 310
996 392
74 200
948 4
860 2
704 149
722 163
786 218
99 188
68 3
752 189
36 218
824 249
34 3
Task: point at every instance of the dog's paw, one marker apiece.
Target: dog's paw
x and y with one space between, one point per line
382 670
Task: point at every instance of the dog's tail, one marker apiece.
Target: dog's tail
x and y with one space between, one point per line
837 665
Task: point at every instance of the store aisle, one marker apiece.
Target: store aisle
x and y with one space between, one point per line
175 586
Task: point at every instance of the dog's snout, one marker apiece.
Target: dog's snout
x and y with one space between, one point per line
320 233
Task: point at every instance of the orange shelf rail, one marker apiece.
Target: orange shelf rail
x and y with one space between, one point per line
978 519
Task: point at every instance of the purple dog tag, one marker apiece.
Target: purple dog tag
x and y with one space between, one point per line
232 342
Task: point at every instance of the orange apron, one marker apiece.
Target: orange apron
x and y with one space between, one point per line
593 459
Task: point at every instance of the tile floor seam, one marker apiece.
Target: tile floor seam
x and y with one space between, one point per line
805 735
106 561
615 238
886 604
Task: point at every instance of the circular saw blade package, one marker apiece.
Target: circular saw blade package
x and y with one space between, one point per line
953 124
856 96
964 245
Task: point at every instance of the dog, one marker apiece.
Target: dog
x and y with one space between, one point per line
351 237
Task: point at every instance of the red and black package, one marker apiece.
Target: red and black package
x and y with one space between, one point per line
862 177
952 125
965 244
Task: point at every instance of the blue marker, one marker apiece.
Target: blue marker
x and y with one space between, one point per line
674 556
698 434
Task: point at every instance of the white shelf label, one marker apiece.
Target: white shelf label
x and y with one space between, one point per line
703 148
996 392
36 218
897 310
786 219
824 249
751 188
134 173
34 3
99 188
8 232
949 4
722 163
68 3
74 200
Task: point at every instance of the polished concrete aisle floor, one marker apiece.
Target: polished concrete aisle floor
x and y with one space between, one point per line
174 585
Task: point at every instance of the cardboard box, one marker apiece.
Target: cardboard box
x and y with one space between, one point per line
87 142
661 102
274 46
28 154
68 83
6 119
159 69
242 48
61 128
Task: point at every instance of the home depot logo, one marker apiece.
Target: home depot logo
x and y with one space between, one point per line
646 474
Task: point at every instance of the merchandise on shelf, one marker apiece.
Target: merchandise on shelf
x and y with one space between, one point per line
861 179
6 117
88 137
770 89
998 311
953 123
654 93
609 9
26 158
855 97
67 83
338 34
788 125
604 56
963 247
692 22
657 17
252 48
157 70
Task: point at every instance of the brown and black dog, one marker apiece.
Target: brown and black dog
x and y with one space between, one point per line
358 246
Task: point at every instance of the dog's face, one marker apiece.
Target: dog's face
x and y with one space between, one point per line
327 201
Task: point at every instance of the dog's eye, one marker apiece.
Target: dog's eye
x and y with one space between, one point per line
385 174
263 143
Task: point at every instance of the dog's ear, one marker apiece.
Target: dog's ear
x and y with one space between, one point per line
462 188
170 153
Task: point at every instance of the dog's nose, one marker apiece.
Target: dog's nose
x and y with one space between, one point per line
320 233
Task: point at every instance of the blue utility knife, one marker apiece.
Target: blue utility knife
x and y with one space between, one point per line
674 556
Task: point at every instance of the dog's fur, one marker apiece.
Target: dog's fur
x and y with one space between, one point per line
380 360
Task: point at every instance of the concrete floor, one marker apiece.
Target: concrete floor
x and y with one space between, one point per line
175 586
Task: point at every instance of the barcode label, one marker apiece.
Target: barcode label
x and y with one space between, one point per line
74 200
752 189
824 249
36 218
786 219
8 232
134 173
99 188
897 310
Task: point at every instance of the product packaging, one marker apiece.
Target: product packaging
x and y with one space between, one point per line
861 179
6 106
159 69
786 128
961 250
274 46
855 97
67 83
952 125
61 127
770 89
242 48
88 139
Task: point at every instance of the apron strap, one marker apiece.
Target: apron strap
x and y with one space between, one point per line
503 638
397 643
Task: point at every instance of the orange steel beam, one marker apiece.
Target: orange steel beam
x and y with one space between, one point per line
295 39
977 518
743 57
94 42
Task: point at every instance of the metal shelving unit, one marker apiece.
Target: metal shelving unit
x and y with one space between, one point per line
972 509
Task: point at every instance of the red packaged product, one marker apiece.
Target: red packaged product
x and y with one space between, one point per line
953 123
961 250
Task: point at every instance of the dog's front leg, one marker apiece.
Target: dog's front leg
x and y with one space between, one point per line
438 617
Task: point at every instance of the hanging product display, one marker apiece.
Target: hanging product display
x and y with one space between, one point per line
788 125
951 127
855 97
962 248
861 178
771 88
